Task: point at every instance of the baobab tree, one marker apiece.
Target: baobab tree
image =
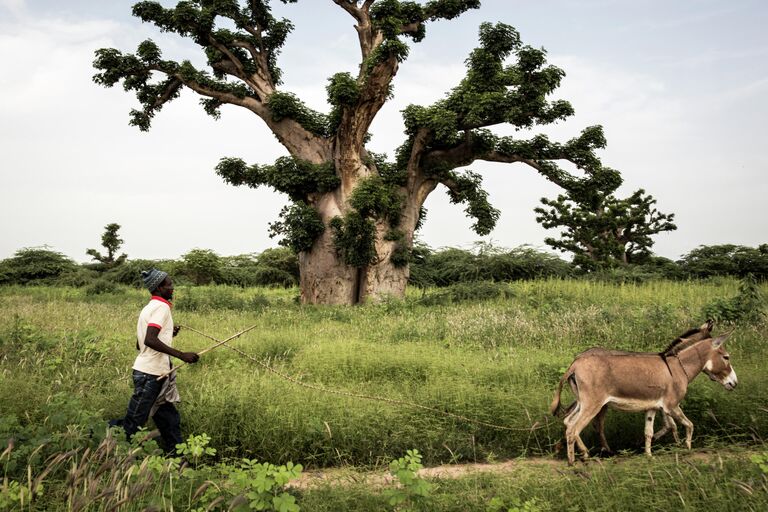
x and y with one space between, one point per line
602 230
353 213
112 242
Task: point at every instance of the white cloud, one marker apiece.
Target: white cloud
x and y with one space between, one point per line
15 7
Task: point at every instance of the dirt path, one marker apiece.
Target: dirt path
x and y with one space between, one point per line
382 478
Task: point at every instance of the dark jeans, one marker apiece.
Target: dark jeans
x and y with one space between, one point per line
146 389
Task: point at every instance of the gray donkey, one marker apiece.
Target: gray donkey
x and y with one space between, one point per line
639 381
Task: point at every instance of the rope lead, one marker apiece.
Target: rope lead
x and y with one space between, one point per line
536 425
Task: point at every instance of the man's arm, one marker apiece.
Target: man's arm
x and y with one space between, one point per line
152 341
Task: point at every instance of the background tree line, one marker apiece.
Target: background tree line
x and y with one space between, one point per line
430 267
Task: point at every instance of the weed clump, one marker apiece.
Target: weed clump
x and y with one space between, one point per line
746 306
468 292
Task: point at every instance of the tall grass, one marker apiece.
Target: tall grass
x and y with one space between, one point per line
65 360
496 361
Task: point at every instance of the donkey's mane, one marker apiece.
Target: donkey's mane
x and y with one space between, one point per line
678 343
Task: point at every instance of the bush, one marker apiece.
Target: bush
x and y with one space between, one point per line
201 266
487 263
101 287
212 298
280 258
621 275
663 267
726 260
35 265
468 292
77 278
271 276
746 306
273 267
129 273
524 263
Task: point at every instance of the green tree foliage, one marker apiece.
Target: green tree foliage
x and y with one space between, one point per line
35 265
602 229
299 228
111 241
201 266
726 259
354 237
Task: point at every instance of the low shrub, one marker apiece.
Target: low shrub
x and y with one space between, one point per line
212 298
129 273
101 287
468 292
484 263
746 306
77 278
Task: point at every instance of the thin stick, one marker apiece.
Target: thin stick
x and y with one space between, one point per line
220 343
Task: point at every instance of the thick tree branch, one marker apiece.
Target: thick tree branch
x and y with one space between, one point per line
259 82
351 7
288 131
368 37
231 56
170 91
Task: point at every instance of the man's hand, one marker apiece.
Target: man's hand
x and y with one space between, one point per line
189 357
176 329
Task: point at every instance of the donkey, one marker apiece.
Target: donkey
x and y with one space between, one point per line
632 381
689 336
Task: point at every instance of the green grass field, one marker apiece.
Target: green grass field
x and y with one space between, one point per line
65 360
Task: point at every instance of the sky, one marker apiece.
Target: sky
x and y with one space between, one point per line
680 88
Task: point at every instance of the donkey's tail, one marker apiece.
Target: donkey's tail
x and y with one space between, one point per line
555 407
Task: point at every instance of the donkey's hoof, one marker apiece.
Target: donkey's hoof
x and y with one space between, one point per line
604 453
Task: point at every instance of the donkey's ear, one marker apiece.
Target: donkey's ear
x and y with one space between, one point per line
717 342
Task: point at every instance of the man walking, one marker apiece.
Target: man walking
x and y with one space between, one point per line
154 341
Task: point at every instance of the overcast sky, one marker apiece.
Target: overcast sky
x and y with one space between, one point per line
680 88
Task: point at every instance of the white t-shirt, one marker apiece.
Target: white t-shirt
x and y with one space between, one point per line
156 314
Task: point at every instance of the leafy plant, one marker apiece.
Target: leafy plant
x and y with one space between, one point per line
13 494
413 489
196 448
746 306
261 484
761 460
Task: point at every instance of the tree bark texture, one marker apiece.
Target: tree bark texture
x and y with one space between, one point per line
326 279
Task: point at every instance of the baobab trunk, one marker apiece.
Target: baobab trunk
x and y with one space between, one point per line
383 278
326 279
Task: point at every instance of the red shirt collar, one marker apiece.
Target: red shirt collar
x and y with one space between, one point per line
157 297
